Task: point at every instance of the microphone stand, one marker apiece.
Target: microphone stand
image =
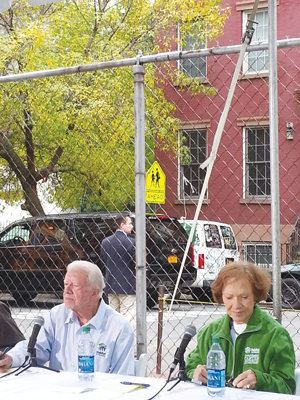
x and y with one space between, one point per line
32 362
182 376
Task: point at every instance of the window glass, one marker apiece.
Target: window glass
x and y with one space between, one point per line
258 253
228 238
164 236
194 67
212 236
88 229
49 232
257 61
257 162
17 231
192 176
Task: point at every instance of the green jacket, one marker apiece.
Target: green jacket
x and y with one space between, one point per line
265 347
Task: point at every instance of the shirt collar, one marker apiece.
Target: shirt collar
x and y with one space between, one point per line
96 321
98 318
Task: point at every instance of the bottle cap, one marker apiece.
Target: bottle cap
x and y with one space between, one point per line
215 339
86 329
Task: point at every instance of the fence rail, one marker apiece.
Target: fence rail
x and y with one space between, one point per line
81 121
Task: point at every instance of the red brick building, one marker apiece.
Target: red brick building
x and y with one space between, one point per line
239 188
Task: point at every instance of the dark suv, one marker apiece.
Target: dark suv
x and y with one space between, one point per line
34 252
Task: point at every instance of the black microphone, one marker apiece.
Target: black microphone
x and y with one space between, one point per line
190 331
38 323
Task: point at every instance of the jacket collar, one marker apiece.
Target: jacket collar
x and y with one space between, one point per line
119 230
254 324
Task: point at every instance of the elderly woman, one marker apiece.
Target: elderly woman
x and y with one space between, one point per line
259 351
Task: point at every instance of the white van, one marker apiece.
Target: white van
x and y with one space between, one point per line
214 246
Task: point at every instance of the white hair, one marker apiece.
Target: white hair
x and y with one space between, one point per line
94 275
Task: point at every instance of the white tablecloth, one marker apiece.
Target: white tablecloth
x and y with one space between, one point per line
45 385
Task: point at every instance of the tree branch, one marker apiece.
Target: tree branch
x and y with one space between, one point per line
15 162
133 42
44 172
117 28
91 39
7 23
29 142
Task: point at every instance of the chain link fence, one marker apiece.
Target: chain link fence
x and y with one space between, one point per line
68 149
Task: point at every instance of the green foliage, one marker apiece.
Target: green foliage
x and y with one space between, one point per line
77 131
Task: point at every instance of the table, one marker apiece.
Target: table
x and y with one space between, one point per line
40 384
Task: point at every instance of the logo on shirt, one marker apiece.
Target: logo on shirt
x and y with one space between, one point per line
251 356
101 351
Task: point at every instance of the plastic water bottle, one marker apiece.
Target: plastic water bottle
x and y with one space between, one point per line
216 369
86 355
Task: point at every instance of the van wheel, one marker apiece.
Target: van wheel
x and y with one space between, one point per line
290 292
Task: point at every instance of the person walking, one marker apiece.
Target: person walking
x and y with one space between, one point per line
118 258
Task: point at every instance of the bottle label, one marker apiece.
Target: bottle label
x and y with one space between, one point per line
86 364
216 378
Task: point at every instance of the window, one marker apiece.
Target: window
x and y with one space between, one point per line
192 176
228 238
257 162
91 229
212 236
194 67
257 61
15 235
49 232
259 253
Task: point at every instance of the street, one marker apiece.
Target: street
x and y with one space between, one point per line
182 314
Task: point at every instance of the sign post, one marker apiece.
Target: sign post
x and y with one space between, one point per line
155 184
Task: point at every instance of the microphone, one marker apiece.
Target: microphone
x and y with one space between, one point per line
38 323
190 331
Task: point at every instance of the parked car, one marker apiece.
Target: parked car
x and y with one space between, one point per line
166 242
34 252
214 247
290 286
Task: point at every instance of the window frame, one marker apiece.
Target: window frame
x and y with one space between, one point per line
181 175
267 265
17 230
265 54
246 164
193 60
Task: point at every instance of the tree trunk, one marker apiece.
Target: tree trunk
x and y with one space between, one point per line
32 202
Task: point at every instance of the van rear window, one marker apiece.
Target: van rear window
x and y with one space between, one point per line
228 238
212 236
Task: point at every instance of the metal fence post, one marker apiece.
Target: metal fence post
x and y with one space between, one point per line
161 292
140 208
274 160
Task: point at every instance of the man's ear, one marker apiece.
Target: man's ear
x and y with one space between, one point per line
96 292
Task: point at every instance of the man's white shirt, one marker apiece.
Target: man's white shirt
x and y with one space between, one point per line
58 340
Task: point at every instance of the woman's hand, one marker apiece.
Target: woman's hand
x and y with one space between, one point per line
246 380
200 374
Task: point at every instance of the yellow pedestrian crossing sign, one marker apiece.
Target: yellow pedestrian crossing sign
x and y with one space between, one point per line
155 184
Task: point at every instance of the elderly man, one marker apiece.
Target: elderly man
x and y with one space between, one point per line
58 339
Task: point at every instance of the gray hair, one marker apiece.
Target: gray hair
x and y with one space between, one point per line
94 275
